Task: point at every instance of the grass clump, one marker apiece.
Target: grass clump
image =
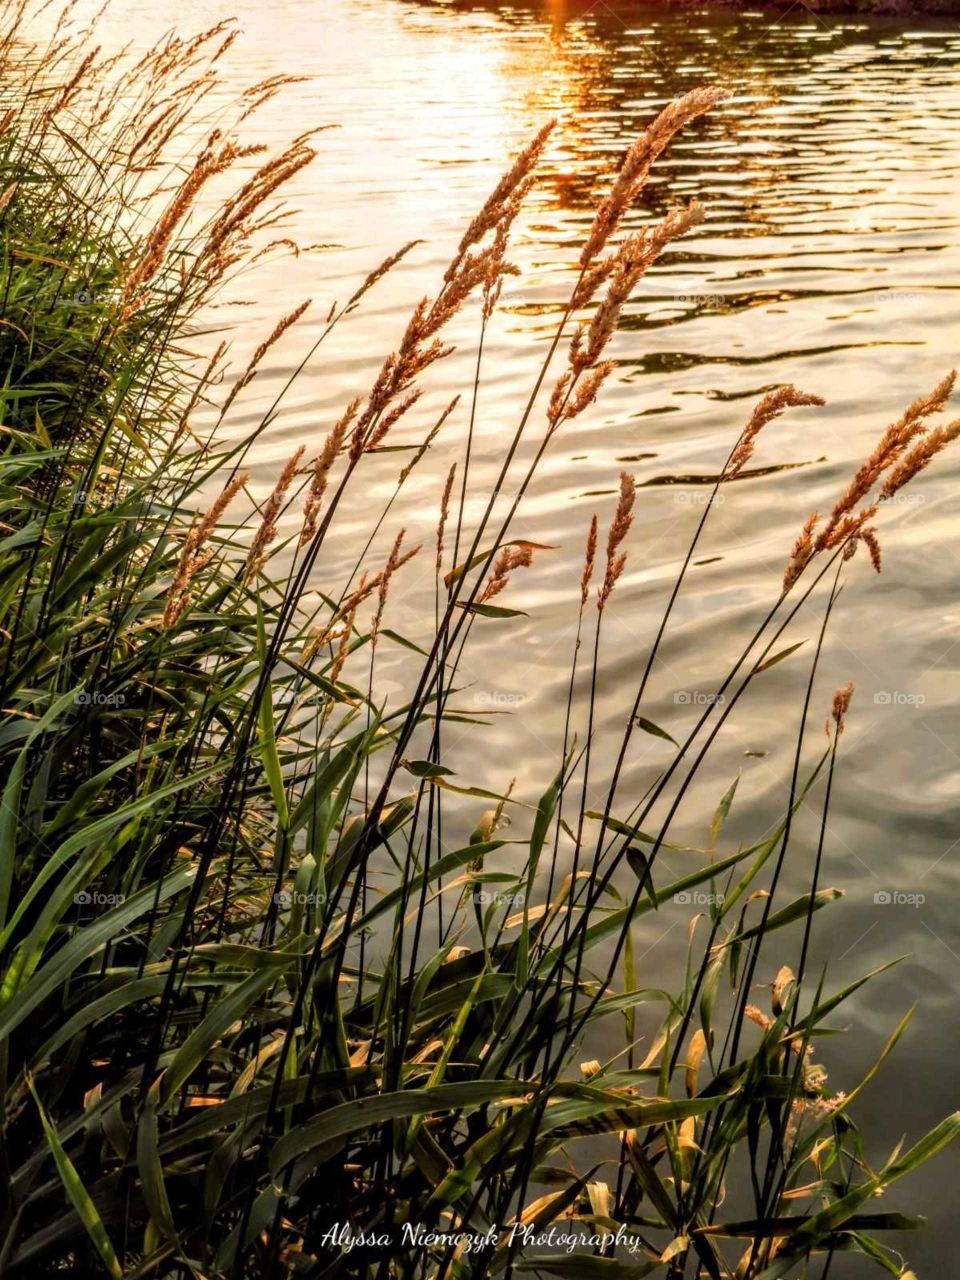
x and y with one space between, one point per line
271 1003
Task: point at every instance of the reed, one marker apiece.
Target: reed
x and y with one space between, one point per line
274 985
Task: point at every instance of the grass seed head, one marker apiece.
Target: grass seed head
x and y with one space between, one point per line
619 528
257 555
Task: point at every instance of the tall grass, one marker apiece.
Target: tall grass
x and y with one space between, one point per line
269 1006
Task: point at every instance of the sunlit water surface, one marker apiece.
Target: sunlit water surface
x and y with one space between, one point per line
829 258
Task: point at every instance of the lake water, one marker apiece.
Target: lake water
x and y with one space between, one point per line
830 257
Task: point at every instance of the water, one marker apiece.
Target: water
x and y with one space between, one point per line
829 258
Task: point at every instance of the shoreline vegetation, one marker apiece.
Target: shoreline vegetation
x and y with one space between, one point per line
276 999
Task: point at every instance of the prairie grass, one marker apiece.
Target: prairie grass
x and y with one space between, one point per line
271 1006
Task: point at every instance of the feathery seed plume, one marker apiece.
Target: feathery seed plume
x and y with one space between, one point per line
758 1016
841 705
619 528
509 559
471 268
70 88
235 223
390 419
638 161
193 558
320 472
888 451
844 528
492 210
589 560
257 555
873 546
343 645
394 561
770 407
558 398
267 89
282 242
250 372
379 272
199 388
369 585
404 474
208 163
632 259
497 268
919 457
281 327
444 510
586 390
